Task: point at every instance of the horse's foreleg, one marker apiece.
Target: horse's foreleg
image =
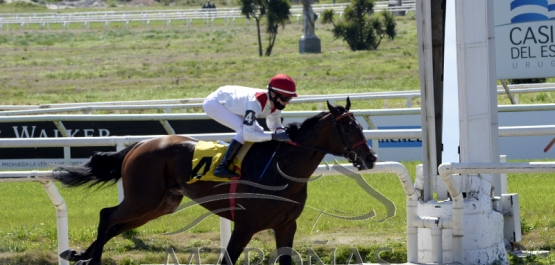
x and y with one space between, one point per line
240 237
284 243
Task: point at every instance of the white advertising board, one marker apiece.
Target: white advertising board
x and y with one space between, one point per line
524 38
518 147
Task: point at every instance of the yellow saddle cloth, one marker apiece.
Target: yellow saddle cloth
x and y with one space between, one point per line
208 155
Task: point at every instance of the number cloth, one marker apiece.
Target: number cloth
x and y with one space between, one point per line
207 156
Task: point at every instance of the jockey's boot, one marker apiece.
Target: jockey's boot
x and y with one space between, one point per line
222 170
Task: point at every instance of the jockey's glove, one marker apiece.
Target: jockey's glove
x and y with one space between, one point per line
281 137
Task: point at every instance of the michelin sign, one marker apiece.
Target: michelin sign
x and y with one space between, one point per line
525 38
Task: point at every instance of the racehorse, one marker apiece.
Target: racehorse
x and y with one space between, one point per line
154 174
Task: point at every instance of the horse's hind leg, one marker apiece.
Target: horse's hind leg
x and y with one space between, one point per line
107 221
95 249
72 255
168 203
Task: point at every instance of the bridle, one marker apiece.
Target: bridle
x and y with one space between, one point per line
349 154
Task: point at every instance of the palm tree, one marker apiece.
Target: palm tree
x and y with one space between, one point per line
276 12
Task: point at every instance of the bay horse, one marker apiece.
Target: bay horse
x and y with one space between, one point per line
154 173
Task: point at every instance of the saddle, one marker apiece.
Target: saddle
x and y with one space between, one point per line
207 156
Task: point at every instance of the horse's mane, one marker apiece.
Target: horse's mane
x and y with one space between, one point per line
295 127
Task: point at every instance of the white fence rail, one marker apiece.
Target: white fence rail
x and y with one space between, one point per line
122 141
184 15
163 118
169 105
192 103
508 131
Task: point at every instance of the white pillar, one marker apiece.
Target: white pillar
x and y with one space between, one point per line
478 129
425 63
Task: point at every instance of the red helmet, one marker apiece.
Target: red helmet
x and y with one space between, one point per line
283 85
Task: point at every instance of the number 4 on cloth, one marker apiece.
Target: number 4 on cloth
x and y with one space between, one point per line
249 118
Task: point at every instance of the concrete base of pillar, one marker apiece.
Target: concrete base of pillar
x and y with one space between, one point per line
309 45
483 233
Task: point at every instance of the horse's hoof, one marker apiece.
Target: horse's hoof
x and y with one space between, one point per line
68 255
84 262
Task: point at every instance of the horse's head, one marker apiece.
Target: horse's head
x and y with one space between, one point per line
351 140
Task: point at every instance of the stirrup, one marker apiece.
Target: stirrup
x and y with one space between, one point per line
222 172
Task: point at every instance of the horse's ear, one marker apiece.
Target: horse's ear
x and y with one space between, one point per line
332 108
348 106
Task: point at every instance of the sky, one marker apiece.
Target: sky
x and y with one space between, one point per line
450 92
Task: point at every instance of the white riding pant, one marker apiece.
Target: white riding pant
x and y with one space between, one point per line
217 111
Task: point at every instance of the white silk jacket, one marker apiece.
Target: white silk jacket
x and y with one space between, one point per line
251 103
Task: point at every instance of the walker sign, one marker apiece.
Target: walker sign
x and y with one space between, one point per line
525 38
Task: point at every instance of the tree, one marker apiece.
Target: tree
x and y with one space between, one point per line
361 28
276 12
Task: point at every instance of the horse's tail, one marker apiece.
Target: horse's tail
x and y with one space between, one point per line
102 168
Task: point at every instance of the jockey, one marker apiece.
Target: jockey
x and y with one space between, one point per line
238 108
